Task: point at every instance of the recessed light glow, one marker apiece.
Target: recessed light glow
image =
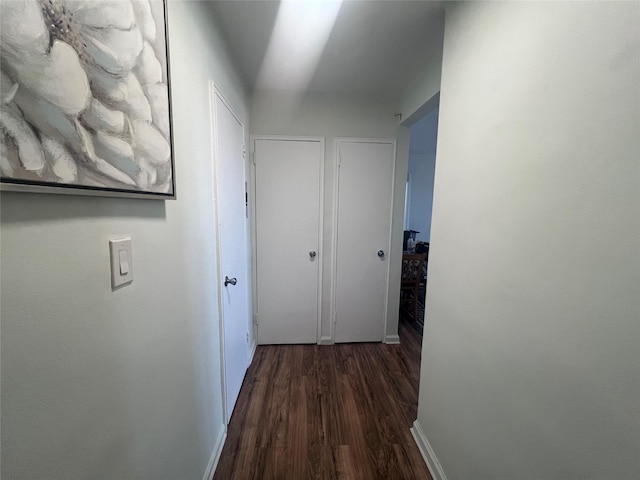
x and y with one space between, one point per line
300 34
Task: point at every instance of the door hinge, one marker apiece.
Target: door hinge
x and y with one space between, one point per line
244 151
255 318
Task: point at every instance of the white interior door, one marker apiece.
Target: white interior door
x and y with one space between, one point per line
365 189
232 247
287 198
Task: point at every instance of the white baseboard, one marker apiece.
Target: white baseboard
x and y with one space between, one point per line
215 455
325 341
252 352
427 452
392 339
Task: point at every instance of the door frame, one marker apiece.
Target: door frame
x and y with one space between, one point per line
254 238
334 239
214 92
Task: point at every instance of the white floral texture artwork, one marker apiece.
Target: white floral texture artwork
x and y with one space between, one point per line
84 97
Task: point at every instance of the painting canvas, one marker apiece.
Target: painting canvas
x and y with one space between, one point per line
85 100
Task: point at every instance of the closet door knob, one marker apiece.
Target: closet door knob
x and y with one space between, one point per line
381 253
312 254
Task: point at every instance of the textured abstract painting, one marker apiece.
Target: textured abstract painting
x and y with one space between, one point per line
84 94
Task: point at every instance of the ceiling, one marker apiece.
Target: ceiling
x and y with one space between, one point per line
376 47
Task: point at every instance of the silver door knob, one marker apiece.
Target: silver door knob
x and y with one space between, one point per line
231 281
381 253
312 254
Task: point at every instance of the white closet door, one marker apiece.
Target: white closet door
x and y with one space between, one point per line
232 247
365 188
288 182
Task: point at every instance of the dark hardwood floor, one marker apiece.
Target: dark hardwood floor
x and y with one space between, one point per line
327 412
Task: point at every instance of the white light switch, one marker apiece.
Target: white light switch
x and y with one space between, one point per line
124 263
121 262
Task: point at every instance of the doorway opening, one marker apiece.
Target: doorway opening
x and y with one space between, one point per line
417 223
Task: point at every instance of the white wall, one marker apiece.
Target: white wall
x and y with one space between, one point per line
425 86
422 164
531 344
331 116
119 384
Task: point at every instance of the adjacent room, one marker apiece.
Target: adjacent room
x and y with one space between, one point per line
319 239
417 218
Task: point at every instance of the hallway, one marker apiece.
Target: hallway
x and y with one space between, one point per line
327 412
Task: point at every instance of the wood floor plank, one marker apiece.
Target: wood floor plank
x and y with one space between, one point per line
298 429
329 412
276 464
346 466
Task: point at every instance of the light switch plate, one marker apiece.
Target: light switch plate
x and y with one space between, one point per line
121 262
